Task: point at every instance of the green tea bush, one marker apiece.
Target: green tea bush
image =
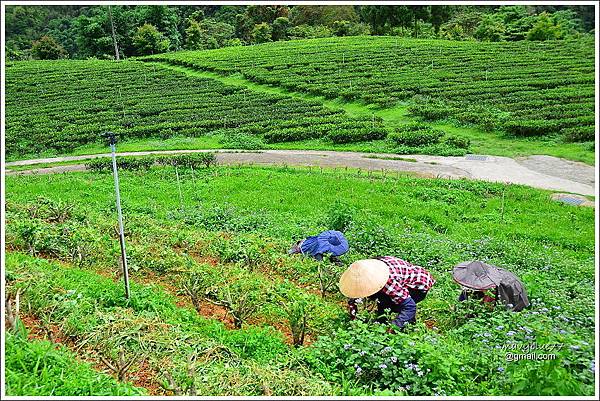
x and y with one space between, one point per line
371 240
578 134
123 163
159 259
247 250
455 141
223 217
195 160
242 140
339 216
429 109
416 135
144 163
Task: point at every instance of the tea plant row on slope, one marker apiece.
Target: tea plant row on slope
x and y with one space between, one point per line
526 89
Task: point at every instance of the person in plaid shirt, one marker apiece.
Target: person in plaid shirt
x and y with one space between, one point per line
395 284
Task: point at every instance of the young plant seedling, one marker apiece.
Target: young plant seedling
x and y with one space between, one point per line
120 366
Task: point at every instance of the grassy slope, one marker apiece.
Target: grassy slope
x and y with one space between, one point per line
492 143
435 223
258 59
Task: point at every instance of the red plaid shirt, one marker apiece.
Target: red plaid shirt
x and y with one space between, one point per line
403 276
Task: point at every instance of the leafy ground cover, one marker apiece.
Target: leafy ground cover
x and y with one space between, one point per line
217 304
37 368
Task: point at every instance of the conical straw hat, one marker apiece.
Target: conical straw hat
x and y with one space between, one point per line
364 278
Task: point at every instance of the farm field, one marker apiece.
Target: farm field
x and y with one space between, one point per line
293 95
62 105
527 89
217 305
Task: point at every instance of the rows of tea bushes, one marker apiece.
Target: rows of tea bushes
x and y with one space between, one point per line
527 89
192 160
61 105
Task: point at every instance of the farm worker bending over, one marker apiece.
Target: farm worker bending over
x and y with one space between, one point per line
478 279
332 242
394 283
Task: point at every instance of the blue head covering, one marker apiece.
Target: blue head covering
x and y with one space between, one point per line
328 241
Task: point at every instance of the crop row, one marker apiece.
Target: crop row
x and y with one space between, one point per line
176 344
514 78
66 104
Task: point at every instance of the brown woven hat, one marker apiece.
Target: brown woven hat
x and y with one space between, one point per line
364 278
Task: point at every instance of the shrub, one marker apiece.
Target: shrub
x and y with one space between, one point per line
371 240
201 282
225 217
429 109
578 134
409 136
201 159
296 313
357 135
241 140
245 250
123 163
242 298
457 141
531 127
339 216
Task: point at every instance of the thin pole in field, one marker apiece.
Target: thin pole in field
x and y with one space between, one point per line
113 141
502 211
179 188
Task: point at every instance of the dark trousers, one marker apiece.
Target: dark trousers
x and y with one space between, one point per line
406 311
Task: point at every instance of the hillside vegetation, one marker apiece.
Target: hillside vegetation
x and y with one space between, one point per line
224 240
526 89
368 94
56 106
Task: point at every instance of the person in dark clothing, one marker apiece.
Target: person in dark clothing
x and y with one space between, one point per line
395 284
491 284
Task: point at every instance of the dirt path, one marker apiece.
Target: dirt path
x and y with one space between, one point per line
545 172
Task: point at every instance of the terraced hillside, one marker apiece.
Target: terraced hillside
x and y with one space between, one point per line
60 105
525 88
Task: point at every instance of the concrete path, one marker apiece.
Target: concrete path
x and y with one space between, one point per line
544 172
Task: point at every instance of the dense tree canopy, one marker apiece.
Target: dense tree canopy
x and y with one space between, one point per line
85 31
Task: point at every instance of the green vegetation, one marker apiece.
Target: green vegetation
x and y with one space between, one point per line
258 116
525 89
87 31
224 241
37 368
64 104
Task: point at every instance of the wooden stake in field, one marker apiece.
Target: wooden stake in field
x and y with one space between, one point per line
113 140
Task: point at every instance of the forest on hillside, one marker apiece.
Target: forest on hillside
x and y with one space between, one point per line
80 32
